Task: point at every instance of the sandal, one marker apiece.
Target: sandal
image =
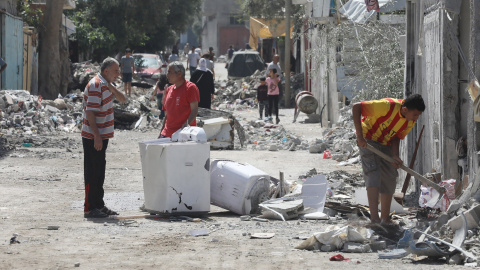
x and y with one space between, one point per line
108 211
95 213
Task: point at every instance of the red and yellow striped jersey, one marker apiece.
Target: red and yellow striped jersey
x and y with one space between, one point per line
382 120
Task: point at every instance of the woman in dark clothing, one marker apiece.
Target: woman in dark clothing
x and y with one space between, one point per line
203 78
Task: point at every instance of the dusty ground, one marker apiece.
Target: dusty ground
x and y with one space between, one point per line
43 187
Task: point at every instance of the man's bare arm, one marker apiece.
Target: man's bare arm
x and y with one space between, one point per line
118 95
357 114
92 122
193 112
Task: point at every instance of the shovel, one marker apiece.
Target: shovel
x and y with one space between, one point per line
435 197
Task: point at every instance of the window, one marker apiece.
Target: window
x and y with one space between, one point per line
236 20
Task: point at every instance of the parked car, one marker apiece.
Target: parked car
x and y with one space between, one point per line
244 63
149 66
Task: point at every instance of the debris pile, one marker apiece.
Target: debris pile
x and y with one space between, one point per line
339 140
81 74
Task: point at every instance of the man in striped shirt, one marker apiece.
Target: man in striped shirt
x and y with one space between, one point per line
385 122
97 129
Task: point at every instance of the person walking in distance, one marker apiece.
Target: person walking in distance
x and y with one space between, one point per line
127 64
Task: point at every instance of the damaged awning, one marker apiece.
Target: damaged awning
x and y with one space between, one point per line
356 10
261 28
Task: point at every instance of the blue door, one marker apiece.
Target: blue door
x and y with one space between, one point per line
12 51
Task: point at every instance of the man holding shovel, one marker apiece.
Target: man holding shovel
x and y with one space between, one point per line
384 123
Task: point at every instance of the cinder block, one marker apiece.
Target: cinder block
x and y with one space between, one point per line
472 216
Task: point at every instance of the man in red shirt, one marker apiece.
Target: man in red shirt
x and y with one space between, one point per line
180 103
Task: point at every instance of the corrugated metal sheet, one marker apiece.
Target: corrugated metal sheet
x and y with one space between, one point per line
12 51
356 10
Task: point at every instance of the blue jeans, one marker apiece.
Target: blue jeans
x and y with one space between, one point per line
192 69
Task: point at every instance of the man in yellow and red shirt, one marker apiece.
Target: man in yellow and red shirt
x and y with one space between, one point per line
385 122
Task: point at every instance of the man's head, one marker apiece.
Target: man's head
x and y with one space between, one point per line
262 80
109 69
128 52
176 72
412 107
231 47
276 58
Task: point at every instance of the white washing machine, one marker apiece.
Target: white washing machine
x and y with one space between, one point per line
176 176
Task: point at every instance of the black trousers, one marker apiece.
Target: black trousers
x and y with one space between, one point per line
94 163
273 101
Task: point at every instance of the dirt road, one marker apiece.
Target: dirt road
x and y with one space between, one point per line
41 191
42 187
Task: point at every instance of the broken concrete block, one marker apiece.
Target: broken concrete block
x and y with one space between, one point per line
473 218
378 245
273 147
8 99
60 104
328 248
317 148
353 247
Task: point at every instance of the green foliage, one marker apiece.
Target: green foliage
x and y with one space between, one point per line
271 9
108 27
29 15
371 54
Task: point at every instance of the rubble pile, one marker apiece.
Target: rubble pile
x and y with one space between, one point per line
449 236
23 117
266 136
81 74
29 120
241 94
339 140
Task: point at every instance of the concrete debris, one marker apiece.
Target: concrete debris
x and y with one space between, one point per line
352 247
262 235
338 237
282 209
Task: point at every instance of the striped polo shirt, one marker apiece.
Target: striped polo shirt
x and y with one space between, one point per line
382 120
98 98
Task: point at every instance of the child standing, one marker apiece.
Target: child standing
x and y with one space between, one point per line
262 97
273 93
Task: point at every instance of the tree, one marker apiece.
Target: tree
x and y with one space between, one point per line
376 57
271 9
49 78
107 27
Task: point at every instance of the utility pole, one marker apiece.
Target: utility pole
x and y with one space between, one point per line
288 5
